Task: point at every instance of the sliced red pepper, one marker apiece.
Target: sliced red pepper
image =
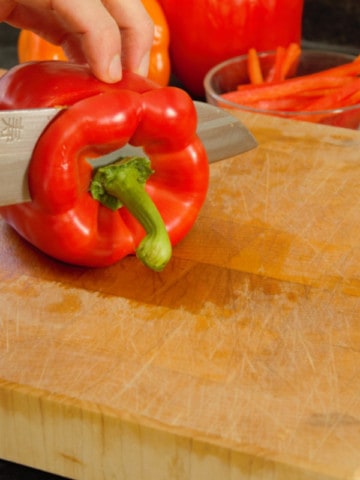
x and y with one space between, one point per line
275 72
276 86
317 97
270 91
338 98
290 60
63 219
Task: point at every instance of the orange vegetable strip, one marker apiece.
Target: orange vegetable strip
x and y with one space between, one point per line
355 98
274 74
291 56
337 99
318 92
254 68
347 69
289 87
282 104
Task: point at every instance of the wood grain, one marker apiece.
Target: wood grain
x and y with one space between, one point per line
240 361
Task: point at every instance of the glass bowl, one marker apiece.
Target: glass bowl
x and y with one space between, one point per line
226 76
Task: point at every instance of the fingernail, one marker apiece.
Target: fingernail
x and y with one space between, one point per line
143 68
115 68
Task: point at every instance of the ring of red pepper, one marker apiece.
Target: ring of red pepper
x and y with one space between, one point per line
63 219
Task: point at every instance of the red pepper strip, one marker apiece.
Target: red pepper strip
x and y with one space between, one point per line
336 100
63 219
289 87
274 74
355 98
333 77
282 104
318 93
254 68
285 63
289 63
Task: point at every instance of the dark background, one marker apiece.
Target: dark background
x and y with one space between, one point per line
327 24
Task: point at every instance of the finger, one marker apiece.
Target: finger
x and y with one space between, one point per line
97 31
137 32
105 35
123 35
84 27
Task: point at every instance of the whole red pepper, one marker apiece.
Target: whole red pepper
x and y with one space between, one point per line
206 32
147 208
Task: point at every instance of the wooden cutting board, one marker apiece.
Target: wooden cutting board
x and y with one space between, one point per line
240 361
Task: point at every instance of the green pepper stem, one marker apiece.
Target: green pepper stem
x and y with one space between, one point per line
123 184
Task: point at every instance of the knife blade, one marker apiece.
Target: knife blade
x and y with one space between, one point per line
222 134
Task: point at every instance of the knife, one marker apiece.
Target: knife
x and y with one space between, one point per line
222 134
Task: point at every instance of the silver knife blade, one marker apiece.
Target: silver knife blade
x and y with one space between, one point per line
222 134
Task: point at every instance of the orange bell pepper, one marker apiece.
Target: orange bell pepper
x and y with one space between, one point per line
33 47
159 70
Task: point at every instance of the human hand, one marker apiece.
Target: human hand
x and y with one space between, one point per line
107 34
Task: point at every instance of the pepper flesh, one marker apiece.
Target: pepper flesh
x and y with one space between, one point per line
63 220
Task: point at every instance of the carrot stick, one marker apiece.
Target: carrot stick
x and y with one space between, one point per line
254 68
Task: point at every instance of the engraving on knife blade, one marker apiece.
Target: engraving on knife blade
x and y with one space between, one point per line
12 131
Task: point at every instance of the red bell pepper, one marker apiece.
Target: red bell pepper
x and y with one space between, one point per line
66 218
206 32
